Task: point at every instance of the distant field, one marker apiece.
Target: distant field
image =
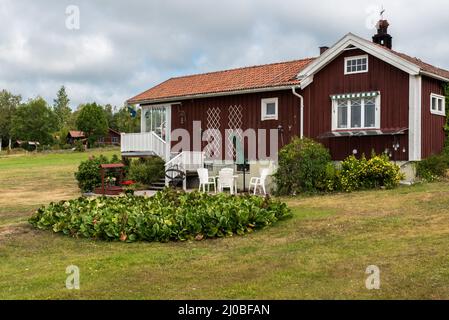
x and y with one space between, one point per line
321 253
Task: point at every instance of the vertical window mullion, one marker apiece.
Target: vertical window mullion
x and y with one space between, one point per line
349 114
334 115
362 111
151 117
377 111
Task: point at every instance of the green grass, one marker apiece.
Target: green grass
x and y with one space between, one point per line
29 181
321 253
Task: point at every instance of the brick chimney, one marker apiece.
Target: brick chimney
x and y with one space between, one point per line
323 50
382 37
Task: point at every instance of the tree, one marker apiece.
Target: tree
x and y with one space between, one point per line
446 126
73 117
125 123
34 121
92 121
62 109
109 112
8 106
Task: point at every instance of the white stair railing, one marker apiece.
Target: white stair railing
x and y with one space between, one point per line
185 161
159 146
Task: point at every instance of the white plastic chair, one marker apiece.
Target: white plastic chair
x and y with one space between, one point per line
226 180
260 181
205 180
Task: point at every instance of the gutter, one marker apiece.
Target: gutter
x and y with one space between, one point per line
208 95
301 111
434 76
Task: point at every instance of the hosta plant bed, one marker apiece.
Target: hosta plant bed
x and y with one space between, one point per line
168 216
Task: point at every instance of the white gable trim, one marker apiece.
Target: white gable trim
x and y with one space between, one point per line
306 75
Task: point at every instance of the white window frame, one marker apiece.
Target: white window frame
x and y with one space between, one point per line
438 97
265 102
362 128
347 59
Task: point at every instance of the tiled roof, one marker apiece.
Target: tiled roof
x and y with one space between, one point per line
424 66
256 77
249 78
76 134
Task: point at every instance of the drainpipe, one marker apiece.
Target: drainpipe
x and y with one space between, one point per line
301 111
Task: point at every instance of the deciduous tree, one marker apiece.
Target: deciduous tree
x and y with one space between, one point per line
92 121
8 106
34 121
125 122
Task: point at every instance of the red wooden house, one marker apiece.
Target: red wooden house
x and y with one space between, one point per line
111 138
356 97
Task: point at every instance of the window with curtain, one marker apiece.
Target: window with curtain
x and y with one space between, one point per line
352 112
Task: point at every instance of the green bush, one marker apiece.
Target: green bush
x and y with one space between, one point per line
147 171
433 168
303 167
361 174
89 175
168 215
79 146
333 178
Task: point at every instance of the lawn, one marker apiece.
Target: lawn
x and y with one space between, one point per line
321 253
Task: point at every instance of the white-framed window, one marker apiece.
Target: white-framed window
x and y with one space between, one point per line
358 64
270 109
438 104
356 112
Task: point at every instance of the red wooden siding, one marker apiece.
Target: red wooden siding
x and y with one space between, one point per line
393 85
108 139
196 110
432 125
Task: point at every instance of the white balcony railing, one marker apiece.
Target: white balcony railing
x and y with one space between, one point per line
143 142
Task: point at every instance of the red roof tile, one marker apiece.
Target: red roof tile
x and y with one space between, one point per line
76 134
256 77
424 66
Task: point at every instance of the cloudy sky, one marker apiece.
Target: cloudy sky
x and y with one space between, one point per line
124 47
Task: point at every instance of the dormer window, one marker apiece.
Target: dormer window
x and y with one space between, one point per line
357 64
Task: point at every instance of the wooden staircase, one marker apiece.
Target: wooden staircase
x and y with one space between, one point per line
158 185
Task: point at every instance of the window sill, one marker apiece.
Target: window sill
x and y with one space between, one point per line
355 130
270 119
438 113
355 72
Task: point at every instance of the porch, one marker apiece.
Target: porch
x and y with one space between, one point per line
155 140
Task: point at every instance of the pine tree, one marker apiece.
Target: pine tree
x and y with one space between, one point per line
61 107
